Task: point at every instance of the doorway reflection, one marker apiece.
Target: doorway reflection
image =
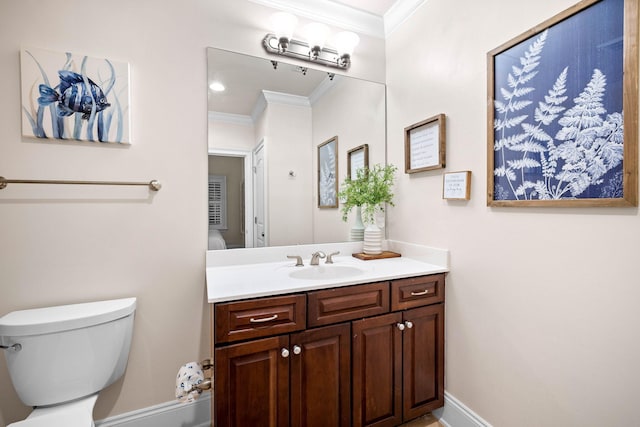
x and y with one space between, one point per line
226 202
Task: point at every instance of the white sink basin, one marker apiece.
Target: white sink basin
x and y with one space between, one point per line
326 272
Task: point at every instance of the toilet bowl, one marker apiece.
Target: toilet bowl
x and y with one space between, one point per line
60 358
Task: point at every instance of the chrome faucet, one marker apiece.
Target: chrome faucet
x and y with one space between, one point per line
315 256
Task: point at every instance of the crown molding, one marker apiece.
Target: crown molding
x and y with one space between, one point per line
271 97
331 13
237 119
348 18
325 86
400 12
285 98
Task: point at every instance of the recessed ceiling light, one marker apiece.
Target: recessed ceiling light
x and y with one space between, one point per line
217 87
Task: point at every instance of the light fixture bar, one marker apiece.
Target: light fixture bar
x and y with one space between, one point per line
300 50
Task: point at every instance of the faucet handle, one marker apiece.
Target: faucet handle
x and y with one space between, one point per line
315 256
329 257
298 259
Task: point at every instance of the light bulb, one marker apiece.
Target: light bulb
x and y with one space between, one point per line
316 34
345 42
283 25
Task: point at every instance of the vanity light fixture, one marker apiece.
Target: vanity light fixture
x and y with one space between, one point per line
281 42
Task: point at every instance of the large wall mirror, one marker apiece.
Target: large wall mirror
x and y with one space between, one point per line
264 131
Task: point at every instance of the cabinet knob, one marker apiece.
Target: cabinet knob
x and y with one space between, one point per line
409 324
400 326
284 352
297 349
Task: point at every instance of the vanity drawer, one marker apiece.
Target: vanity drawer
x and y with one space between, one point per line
348 303
242 320
417 291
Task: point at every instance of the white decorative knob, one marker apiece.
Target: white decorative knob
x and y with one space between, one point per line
297 349
284 352
409 324
400 326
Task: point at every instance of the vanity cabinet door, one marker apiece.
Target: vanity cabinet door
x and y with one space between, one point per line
252 384
377 371
423 360
321 377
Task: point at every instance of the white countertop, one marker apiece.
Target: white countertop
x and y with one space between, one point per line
238 275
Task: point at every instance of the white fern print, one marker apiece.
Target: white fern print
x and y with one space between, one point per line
328 195
534 162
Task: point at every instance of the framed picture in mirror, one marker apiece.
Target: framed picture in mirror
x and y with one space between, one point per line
328 173
424 145
357 158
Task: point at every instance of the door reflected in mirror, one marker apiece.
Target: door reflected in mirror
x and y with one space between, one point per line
264 131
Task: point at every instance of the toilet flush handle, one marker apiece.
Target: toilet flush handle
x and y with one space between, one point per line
16 347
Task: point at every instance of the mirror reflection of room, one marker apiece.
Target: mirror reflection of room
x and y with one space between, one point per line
266 120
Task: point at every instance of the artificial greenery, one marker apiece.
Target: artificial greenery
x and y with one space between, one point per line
371 189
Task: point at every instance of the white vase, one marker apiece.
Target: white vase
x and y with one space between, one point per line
372 240
357 230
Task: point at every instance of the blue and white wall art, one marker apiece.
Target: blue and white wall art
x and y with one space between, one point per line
558 128
74 97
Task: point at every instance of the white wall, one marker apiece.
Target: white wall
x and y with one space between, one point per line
339 113
288 147
229 135
71 244
542 318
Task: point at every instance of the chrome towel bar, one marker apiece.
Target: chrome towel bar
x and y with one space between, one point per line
153 185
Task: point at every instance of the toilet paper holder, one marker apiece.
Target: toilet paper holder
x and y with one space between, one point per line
206 384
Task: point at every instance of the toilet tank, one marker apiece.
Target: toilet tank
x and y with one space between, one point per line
67 352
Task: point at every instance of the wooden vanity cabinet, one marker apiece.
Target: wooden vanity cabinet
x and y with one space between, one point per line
369 355
300 379
398 366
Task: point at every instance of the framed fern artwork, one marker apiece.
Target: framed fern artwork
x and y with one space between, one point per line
328 173
562 124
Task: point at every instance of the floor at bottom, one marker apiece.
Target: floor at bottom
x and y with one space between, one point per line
426 421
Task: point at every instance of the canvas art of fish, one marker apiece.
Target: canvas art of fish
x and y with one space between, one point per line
74 95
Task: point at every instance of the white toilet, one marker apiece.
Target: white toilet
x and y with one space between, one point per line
59 358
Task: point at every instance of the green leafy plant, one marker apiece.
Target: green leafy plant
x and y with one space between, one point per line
371 189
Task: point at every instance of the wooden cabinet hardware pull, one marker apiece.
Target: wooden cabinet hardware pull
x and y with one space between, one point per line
264 319
417 294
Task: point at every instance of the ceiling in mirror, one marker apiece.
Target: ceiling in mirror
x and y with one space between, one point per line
245 77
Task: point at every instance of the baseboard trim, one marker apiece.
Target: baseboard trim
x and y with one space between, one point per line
169 414
198 414
456 414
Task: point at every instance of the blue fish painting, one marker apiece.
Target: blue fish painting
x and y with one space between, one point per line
76 95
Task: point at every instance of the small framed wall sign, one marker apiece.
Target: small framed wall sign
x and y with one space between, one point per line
456 185
424 145
357 158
